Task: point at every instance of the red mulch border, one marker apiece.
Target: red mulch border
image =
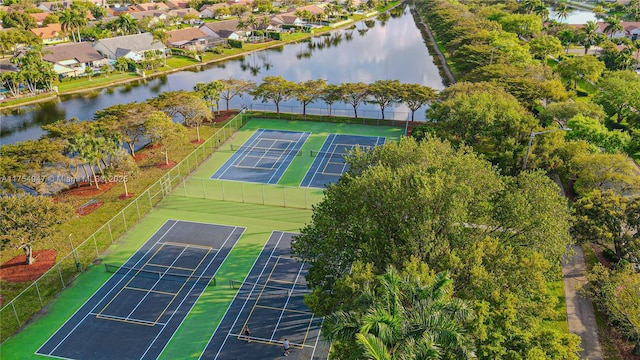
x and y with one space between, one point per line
125 197
15 270
89 191
164 166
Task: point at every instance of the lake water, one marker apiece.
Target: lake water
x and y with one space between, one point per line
575 16
391 49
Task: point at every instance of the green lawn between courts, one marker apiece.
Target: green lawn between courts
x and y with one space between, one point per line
259 220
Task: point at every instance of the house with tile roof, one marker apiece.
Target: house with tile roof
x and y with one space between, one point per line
39 17
50 34
130 46
209 11
226 29
149 6
178 4
72 59
192 39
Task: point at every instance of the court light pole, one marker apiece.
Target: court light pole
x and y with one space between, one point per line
531 136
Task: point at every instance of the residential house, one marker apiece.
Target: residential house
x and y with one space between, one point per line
178 4
285 21
155 15
313 9
39 17
226 29
72 59
52 6
192 39
191 14
149 6
50 34
247 3
632 29
129 46
209 11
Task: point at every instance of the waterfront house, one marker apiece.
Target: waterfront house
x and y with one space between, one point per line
129 46
72 59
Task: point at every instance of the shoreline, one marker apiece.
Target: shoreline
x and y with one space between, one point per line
182 68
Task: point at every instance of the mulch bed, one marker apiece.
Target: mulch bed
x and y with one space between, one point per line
88 190
125 197
165 166
140 157
197 141
15 270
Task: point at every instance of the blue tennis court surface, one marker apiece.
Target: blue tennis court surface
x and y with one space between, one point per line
264 157
137 311
329 163
270 302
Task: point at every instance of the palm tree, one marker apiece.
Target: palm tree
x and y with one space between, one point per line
404 318
599 11
79 19
562 11
160 36
252 22
589 32
125 23
66 19
614 25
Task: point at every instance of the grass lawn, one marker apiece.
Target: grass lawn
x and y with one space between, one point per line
96 81
559 322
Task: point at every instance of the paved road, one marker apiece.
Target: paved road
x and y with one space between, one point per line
580 315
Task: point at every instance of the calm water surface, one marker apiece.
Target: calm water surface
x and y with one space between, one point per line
575 16
392 49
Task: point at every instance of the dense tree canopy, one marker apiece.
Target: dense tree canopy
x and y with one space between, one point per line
453 211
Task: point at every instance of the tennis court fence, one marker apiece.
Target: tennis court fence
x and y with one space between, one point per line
250 193
16 312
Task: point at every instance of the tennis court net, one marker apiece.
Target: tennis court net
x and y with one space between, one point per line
235 284
266 151
345 152
158 275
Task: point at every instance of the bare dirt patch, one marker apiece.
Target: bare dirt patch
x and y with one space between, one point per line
140 157
15 270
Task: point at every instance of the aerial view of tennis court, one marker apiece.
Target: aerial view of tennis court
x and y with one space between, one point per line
185 281
268 310
137 311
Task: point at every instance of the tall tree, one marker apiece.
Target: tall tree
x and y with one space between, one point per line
162 130
609 220
122 167
619 95
235 87
586 67
309 91
589 35
129 121
276 89
415 96
36 160
604 171
384 93
331 95
614 25
354 94
210 92
30 220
